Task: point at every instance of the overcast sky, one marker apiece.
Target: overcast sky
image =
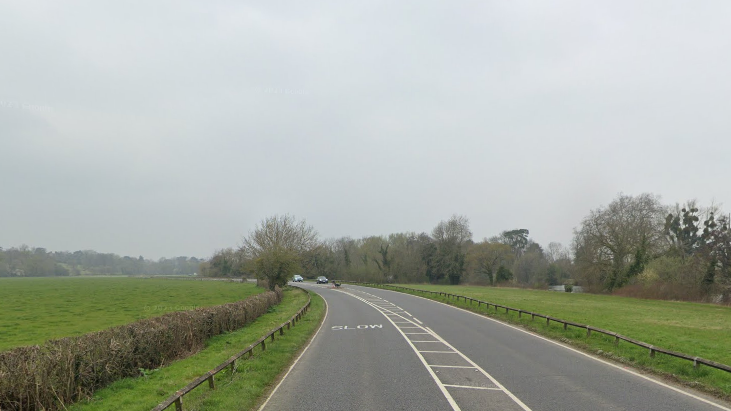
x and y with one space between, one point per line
166 128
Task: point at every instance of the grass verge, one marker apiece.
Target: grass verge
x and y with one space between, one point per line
40 309
702 330
240 390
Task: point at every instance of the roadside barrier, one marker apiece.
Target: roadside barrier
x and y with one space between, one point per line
589 329
177 398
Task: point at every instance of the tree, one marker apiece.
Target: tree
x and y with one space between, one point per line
277 246
517 240
484 258
450 237
503 275
531 266
607 243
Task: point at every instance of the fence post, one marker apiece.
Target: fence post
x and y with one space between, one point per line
281 330
616 340
273 336
588 332
695 362
233 366
548 321
652 351
264 345
211 382
179 404
565 325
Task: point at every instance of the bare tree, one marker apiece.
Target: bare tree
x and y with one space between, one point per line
277 246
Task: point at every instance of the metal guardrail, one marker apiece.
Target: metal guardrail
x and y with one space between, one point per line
177 398
589 329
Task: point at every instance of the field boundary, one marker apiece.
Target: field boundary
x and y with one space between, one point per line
209 377
589 329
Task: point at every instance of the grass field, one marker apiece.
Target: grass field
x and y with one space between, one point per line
38 309
702 330
238 391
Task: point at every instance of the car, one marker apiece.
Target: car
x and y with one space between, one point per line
322 280
298 279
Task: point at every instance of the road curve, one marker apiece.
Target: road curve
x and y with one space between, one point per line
384 350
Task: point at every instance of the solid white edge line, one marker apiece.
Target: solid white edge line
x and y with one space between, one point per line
271 394
662 384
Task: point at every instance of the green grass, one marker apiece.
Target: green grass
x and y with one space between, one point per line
238 391
38 309
702 330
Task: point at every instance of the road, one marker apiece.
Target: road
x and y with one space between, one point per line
384 350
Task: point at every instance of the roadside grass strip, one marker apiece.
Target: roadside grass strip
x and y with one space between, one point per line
646 320
240 389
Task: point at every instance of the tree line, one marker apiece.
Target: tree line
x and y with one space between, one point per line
447 254
25 261
634 246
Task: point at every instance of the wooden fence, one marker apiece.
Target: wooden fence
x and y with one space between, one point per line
210 376
589 329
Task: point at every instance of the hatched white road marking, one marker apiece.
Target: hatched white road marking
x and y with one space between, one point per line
618 367
442 387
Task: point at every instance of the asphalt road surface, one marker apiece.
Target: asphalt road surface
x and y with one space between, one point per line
383 350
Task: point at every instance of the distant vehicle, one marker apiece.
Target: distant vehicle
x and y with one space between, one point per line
298 279
322 280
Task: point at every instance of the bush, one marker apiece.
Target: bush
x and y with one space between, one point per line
568 288
66 370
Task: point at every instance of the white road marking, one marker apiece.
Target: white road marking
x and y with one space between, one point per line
441 352
472 387
451 366
407 313
415 319
439 383
662 384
